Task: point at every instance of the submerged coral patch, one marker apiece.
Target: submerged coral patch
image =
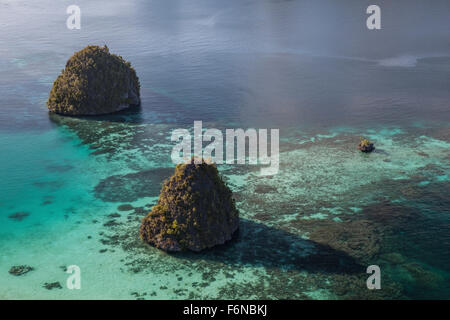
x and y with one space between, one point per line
359 239
265 189
20 270
52 285
132 186
19 216
125 207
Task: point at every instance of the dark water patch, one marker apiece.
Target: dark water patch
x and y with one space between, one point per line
133 186
437 132
111 223
52 185
19 216
59 168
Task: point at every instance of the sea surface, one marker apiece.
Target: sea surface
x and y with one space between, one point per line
308 68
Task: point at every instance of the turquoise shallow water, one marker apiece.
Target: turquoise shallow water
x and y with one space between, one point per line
328 213
308 232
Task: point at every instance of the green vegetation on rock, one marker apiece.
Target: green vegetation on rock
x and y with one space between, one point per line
365 142
94 82
365 145
195 211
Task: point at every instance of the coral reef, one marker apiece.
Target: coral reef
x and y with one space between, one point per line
422 276
353 287
20 270
94 82
195 211
52 285
265 189
394 258
359 239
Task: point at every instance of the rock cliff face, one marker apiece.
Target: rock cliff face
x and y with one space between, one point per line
195 211
94 82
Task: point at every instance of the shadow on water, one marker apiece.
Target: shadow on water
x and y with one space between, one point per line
155 108
133 114
381 151
256 244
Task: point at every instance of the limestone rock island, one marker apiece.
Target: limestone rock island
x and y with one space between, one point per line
366 146
94 82
195 211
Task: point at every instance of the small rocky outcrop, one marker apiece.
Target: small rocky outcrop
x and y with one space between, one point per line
94 82
366 146
195 211
20 270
